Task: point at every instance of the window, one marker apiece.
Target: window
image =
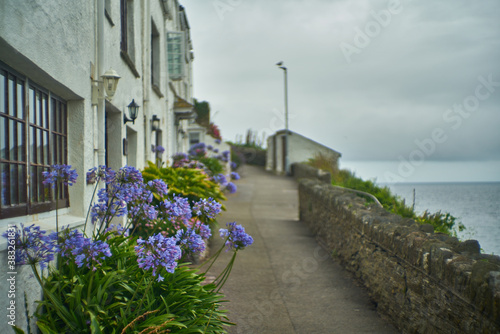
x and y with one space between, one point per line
175 55
155 56
127 43
194 138
33 136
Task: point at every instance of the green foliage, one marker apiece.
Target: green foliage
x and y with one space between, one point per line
202 110
442 222
119 297
251 153
190 183
213 165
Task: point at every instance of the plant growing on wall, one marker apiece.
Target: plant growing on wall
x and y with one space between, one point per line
442 222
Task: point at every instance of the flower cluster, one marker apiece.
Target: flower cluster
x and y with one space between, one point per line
85 251
32 245
202 229
126 194
198 150
225 156
190 241
231 187
60 173
236 236
102 173
235 176
158 251
182 160
220 178
159 149
207 207
158 186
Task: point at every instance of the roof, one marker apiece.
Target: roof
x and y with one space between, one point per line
283 132
180 103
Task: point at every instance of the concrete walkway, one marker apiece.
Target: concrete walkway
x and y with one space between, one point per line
285 282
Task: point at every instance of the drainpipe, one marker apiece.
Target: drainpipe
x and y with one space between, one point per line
146 79
101 148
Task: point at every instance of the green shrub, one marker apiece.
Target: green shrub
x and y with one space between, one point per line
119 297
190 183
213 165
442 222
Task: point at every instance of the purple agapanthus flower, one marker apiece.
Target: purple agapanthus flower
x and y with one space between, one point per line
158 251
190 241
158 186
102 173
128 174
60 173
203 230
231 187
198 150
235 176
220 178
208 207
85 251
180 156
236 236
160 149
32 245
178 207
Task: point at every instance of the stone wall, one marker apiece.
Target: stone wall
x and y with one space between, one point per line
423 281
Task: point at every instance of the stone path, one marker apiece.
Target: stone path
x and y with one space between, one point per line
285 282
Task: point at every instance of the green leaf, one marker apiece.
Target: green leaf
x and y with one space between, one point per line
44 329
17 330
94 324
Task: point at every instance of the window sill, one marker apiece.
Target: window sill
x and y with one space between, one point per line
125 56
46 221
110 20
157 90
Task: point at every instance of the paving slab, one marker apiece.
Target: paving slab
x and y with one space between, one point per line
286 282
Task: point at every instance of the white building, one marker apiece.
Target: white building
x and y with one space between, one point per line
55 108
285 148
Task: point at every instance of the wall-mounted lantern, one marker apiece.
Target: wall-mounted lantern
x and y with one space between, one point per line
106 87
155 123
133 111
110 79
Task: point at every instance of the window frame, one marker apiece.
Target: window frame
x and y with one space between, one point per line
155 59
180 54
127 29
43 143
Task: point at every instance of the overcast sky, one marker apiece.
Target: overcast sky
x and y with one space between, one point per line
405 90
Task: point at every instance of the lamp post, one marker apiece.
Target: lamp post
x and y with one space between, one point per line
285 72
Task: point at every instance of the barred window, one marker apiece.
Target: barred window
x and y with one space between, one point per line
33 136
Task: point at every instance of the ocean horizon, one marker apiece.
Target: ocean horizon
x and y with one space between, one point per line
475 204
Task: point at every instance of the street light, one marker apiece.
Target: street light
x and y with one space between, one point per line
285 72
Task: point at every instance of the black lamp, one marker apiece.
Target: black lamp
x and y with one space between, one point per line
133 111
155 123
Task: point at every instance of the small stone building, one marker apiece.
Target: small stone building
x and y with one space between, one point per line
285 148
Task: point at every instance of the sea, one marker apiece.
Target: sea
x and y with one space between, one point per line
475 205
